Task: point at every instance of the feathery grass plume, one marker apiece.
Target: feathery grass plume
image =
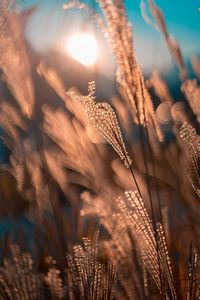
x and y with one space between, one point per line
133 213
190 137
118 32
195 65
165 262
191 90
18 280
92 279
155 258
104 120
131 225
160 25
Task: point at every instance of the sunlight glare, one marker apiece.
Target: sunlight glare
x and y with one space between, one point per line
83 48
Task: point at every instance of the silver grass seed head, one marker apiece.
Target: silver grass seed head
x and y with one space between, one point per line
187 133
103 118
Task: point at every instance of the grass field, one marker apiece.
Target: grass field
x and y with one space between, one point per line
99 197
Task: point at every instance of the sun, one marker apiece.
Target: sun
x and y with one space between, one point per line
83 48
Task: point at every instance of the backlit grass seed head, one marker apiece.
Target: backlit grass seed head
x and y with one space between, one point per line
133 214
189 136
104 120
93 279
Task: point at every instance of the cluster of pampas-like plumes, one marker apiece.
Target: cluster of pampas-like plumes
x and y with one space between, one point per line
113 203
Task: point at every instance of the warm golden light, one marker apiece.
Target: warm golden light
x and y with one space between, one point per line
83 48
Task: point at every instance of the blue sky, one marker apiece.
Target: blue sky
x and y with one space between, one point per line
50 24
182 19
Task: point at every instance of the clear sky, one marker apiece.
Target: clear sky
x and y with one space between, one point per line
183 22
50 23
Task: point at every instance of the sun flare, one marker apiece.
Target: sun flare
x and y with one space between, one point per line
83 48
